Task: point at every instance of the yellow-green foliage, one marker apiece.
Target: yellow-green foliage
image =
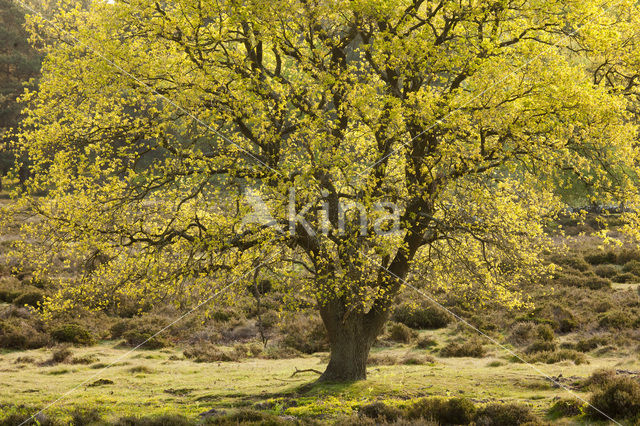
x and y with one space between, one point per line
474 121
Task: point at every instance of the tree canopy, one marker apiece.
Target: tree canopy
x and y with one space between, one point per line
457 126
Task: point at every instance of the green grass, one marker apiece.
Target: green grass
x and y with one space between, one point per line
164 386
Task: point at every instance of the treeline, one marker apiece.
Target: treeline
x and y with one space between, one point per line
19 64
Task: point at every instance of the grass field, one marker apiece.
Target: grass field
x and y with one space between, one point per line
160 382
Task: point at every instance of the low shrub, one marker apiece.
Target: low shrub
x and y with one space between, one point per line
471 348
30 298
505 415
400 333
423 317
618 399
624 278
380 411
626 255
632 267
141 330
165 420
545 333
23 417
606 271
566 407
597 283
279 352
305 334
73 333
599 379
17 333
426 342
458 411
59 355
586 345
571 261
567 325
602 257
552 357
379 359
417 360
207 352
86 417
521 333
246 417
616 320
540 346
145 339
591 282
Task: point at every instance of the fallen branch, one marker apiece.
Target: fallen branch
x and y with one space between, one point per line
306 370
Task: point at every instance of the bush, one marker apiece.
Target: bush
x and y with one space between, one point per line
23 417
472 349
567 325
602 257
137 330
246 417
400 333
521 333
606 271
597 283
626 255
566 408
165 420
73 333
632 267
145 339
624 278
59 355
551 357
586 345
599 379
306 335
86 417
619 399
504 415
540 346
572 262
279 352
417 360
380 411
30 298
207 352
426 342
458 411
545 332
616 320
425 317
593 283
16 333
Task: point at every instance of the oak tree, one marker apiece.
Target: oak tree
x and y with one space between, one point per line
372 143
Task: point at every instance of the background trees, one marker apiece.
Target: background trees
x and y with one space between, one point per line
153 118
19 62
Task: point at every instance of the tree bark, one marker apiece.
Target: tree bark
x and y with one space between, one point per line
351 335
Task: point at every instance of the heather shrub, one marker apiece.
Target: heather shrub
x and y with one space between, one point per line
73 333
471 348
400 333
606 271
619 398
18 333
422 317
505 415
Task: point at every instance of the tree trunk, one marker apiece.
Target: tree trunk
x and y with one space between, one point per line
351 335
